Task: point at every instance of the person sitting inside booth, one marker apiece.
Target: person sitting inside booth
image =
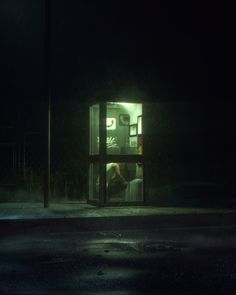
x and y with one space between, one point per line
116 182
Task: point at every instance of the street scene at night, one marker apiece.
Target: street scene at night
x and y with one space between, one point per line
117 147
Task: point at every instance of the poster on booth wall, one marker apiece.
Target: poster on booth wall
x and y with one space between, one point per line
140 144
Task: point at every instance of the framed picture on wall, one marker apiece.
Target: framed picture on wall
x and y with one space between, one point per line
140 131
133 130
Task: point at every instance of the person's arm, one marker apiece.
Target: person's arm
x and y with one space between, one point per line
116 167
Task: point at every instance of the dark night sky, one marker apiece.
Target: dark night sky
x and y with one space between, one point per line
182 48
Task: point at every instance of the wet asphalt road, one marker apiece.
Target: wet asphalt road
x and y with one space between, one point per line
177 261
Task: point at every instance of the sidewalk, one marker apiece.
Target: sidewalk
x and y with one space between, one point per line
72 216
19 211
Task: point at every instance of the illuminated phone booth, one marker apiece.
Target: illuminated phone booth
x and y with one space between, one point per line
116 153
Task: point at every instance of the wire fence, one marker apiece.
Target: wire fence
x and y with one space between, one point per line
23 162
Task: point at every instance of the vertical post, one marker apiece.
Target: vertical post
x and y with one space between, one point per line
144 161
19 160
102 152
14 161
47 94
24 159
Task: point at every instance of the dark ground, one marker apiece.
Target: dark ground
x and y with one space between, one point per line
198 260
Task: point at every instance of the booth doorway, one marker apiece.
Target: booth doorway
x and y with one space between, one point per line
116 153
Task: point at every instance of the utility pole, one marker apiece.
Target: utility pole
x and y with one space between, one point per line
47 97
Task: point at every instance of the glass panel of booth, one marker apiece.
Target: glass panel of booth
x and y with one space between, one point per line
94 182
123 128
124 182
94 129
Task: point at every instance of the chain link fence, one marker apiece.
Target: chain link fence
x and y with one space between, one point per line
23 152
21 173
69 150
